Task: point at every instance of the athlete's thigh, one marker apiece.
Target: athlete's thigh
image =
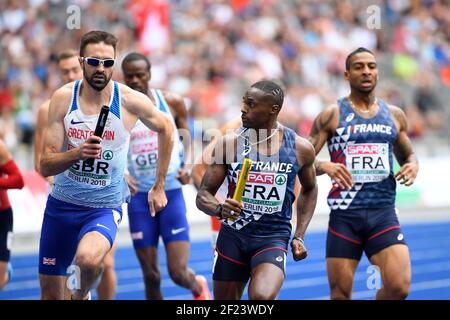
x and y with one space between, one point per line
268 267
3 272
99 221
93 246
383 230
148 258
173 224
344 238
108 261
174 229
228 290
266 281
177 253
59 239
144 228
394 264
268 250
341 272
231 262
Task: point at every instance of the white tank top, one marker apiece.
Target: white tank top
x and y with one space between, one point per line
143 154
101 185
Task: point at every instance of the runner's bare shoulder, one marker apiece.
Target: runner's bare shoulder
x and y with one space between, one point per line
305 150
328 119
61 99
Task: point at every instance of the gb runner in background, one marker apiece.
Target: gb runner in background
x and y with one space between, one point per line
363 135
83 210
253 240
171 222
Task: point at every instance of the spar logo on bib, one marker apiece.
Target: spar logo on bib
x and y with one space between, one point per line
108 155
254 177
368 162
280 179
365 148
264 192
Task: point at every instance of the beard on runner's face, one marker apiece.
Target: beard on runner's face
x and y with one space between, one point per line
98 80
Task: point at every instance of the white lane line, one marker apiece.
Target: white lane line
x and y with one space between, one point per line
419 286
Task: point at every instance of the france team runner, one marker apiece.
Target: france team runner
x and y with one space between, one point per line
83 210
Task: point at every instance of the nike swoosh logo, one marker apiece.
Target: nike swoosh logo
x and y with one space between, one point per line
100 225
176 231
76 122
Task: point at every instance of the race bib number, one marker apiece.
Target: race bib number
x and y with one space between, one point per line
145 164
368 162
97 175
144 157
264 192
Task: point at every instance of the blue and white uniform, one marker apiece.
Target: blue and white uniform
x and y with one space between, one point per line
262 231
363 218
171 222
85 198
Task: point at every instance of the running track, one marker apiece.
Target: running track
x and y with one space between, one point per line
429 249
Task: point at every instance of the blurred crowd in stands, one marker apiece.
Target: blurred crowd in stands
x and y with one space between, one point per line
210 51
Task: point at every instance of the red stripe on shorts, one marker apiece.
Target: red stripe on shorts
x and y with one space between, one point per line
343 237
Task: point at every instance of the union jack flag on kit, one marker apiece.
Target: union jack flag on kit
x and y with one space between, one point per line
49 261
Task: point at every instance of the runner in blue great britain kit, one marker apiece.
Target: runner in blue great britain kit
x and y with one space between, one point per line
83 209
171 222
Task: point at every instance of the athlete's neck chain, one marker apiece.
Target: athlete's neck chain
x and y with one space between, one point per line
360 110
248 145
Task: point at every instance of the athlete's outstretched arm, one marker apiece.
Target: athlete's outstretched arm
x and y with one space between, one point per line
404 151
308 196
143 108
322 128
53 161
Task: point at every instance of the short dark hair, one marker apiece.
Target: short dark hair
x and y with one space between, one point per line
271 88
66 54
359 50
97 37
136 56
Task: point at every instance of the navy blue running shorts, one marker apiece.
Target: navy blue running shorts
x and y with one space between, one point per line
170 223
352 232
237 254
